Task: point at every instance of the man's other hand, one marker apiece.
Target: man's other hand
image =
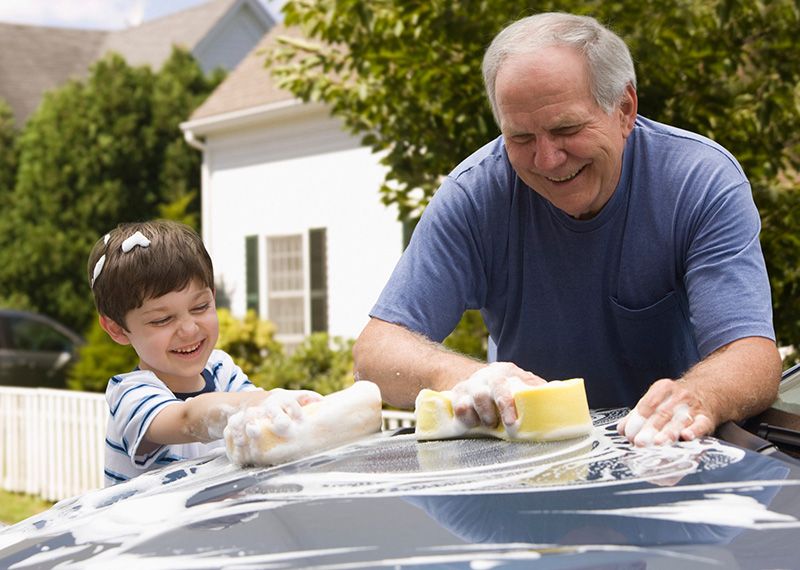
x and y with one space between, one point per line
668 412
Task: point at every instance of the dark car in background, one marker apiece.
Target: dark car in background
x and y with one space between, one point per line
35 351
390 501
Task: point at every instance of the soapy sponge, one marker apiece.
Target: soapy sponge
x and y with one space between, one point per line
337 419
549 412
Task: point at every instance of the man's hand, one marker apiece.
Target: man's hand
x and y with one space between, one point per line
668 412
734 382
487 396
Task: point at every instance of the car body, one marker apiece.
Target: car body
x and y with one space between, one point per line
35 350
390 501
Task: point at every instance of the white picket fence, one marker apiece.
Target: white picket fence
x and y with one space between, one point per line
52 441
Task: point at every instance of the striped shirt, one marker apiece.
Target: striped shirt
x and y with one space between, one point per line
134 399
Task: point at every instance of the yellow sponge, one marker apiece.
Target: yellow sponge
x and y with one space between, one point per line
553 411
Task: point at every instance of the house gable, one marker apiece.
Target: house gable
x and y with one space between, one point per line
36 59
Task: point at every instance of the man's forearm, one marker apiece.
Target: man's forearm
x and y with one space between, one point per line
737 381
401 363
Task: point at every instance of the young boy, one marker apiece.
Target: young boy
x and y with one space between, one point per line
153 286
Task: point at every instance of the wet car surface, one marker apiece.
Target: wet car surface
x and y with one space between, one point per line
390 501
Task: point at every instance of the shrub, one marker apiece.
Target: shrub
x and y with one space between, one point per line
98 360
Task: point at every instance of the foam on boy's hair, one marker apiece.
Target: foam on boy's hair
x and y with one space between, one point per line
169 256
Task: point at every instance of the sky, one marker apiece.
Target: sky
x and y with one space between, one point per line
96 14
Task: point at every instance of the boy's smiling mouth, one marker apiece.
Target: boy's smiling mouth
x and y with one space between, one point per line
188 350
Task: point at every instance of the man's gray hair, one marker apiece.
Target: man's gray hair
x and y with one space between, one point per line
607 56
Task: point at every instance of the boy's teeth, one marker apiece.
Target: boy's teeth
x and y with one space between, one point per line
187 350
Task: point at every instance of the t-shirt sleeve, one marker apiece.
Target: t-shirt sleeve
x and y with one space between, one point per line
726 276
441 274
229 376
134 401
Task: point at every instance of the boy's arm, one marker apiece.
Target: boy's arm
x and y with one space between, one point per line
203 418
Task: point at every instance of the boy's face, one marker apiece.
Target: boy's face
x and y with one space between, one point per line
173 335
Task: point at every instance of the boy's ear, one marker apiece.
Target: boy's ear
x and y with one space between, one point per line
114 330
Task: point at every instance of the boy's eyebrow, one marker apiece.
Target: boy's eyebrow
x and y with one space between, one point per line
163 308
156 310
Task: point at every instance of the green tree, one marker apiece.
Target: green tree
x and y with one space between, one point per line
406 76
98 360
320 363
8 152
97 153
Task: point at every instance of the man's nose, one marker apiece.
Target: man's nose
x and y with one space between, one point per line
549 154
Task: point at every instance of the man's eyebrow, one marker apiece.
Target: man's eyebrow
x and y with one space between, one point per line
566 121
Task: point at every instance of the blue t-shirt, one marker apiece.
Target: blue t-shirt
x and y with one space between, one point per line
668 271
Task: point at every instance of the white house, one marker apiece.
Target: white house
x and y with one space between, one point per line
291 213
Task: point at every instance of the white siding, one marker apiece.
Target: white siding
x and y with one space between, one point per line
227 45
288 177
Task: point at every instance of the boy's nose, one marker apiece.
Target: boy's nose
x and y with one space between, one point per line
187 326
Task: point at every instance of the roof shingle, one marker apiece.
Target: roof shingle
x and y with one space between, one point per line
249 85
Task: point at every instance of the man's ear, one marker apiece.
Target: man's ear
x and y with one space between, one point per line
114 330
629 107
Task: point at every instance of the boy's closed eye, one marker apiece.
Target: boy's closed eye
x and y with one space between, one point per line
201 308
160 322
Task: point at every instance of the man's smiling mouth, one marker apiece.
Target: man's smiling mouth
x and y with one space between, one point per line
568 177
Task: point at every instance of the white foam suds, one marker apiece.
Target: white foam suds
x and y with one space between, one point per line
264 435
134 240
724 509
633 424
98 267
637 429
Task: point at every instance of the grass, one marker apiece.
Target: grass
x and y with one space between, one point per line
15 507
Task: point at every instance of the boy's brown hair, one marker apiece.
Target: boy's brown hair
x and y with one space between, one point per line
123 281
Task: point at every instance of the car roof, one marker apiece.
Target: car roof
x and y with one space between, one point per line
391 501
65 330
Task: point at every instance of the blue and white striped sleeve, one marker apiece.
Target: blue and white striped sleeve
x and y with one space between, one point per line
134 400
228 376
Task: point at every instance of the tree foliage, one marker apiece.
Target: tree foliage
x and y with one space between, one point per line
8 152
97 153
406 76
99 360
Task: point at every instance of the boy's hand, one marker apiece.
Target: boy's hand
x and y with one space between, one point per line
282 407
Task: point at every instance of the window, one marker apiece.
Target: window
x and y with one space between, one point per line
286 287
297 285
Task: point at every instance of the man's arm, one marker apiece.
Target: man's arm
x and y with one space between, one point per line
402 363
735 382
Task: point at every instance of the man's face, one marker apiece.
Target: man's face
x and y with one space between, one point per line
559 141
174 335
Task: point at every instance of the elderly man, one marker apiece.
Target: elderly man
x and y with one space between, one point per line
595 242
